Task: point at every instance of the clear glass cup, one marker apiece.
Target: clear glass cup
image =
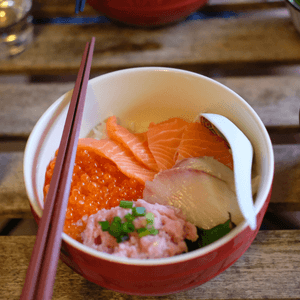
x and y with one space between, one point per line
16 28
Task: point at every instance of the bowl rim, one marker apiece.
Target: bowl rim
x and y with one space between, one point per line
184 256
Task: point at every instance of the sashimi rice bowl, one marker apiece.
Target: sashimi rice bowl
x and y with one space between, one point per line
152 208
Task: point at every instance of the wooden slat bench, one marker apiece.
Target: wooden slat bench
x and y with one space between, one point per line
255 51
210 43
270 269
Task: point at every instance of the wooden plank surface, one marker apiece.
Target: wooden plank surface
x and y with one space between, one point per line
22 105
276 99
285 197
270 269
14 202
286 187
266 36
190 45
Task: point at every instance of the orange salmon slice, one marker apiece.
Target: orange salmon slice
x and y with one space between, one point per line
122 157
136 143
197 140
164 139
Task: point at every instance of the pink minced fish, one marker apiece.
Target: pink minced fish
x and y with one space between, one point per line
170 240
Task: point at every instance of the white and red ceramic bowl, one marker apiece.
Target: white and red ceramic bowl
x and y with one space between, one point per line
143 95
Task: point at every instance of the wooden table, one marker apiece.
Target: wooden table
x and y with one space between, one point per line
251 46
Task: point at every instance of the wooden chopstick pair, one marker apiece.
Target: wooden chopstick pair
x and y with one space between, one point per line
43 264
79 6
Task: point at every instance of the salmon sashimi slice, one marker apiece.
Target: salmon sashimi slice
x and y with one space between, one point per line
136 143
197 140
121 156
163 140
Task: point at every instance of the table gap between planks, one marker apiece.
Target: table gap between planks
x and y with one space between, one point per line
255 52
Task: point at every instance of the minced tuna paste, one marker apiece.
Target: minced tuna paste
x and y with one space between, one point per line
172 228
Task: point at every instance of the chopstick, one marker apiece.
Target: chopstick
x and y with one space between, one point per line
42 268
79 6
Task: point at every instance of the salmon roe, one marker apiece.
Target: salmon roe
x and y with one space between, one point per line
96 183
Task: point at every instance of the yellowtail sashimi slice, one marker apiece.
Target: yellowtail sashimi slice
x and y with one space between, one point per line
205 200
213 167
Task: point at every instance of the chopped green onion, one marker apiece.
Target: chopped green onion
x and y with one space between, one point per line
120 230
104 225
127 227
126 204
150 218
138 211
143 232
115 229
153 231
139 230
122 238
117 219
129 217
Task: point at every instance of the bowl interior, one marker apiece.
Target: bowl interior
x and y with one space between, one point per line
140 96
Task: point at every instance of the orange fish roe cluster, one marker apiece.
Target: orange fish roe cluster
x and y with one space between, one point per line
97 183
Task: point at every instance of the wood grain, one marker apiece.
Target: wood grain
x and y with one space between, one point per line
22 105
240 41
14 202
270 269
286 186
275 98
261 35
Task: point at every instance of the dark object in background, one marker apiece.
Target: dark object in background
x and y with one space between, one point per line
149 13
79 6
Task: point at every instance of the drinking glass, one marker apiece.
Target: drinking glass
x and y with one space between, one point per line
16 28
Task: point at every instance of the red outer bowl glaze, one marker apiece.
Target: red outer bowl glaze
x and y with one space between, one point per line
146 12
166 279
